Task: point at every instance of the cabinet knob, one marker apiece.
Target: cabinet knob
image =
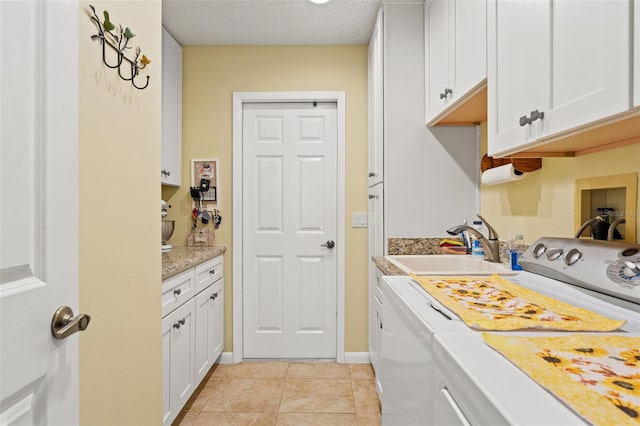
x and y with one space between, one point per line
371 196
535 115
214 296
445 93
524 120
371 174
177 325
177 292
212 272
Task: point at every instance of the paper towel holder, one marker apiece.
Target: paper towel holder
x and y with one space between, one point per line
525 165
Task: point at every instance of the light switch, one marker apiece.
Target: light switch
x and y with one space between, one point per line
359 219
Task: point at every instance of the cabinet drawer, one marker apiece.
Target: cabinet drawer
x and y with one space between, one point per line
208 272
177 290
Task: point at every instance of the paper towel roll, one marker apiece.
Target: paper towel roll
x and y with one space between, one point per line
501 174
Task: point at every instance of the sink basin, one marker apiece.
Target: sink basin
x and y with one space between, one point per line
447 264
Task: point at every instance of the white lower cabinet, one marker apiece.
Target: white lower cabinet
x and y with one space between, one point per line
209 314
192 333
375 322
178 343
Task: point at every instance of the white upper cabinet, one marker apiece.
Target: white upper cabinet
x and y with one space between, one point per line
171 110
376 119
456 55
554 66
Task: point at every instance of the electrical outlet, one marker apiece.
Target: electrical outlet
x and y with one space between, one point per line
359 219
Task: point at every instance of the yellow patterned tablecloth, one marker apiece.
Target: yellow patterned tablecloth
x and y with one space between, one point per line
494 303
597 376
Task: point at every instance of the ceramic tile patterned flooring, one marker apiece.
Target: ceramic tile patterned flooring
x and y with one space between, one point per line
285 393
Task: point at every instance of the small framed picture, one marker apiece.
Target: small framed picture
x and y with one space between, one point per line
204 174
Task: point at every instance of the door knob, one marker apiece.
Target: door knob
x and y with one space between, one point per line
64 324
329 244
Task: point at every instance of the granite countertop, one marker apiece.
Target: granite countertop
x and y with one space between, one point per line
387 267
181 258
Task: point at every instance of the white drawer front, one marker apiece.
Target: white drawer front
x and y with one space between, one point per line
209 272
177 290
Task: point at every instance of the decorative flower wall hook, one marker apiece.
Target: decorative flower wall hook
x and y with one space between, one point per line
118 41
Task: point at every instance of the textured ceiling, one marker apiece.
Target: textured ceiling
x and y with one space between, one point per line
269 22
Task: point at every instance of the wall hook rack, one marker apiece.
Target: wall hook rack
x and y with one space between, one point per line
118 41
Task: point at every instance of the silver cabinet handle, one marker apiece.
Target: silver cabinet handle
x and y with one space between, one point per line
64 324
329 244
177 292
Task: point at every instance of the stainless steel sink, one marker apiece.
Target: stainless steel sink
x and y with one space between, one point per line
447 264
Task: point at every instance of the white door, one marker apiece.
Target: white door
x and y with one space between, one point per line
38 210
289 228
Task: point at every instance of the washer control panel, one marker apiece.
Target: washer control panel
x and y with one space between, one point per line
607 267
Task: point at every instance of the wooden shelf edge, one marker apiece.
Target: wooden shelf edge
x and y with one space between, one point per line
468 110
613 132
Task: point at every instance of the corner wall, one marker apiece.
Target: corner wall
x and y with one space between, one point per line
210 76
120 257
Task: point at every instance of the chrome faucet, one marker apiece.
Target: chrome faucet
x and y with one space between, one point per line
491 245
586 224
612 228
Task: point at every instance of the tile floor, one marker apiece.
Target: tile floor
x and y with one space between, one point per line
285 393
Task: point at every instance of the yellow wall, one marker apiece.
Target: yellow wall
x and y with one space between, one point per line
542 204
120 259
210 75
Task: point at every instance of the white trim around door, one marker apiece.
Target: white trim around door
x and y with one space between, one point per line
240 98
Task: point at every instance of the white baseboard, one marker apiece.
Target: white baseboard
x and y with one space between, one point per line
226 358
349 357
356 357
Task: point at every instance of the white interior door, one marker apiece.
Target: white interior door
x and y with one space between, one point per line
289 213
38 210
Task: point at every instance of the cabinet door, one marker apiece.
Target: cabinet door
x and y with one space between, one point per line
204 326
590 63
518 70
376 221
178 346
437 53
469 45
182 376
171 110
208 317
217 329
378 302
376 119
169 412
